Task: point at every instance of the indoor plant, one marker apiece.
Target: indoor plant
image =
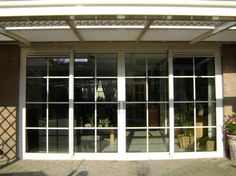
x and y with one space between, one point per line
230 129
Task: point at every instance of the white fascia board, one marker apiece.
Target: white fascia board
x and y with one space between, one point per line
117 10
36 3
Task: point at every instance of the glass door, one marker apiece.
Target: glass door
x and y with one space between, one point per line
147 102
95 103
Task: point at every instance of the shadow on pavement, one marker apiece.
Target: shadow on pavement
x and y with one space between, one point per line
7 164
25 174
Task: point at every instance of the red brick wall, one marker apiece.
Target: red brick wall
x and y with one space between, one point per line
9 93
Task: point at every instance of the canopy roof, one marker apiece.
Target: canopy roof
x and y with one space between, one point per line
102 20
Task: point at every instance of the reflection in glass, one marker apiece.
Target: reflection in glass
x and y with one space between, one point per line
157 89
84 65
183 66
183 89
205 89
106 115
107 141
135 64
135 89
158 140
158 115
106 65
184 140
136 140
157 64
84 115
207 142
204 66
58 115
59 66
136 115
106 90
206 114
36 141
84 141
36 66
36 90
58 90
36 115
184 114
58 141
84 90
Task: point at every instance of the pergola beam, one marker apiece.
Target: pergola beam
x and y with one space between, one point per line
147 26
75 30
14 36
218 29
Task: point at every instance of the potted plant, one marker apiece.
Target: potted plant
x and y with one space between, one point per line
207 143
230 129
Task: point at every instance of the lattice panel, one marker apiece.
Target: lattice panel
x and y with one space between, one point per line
8 133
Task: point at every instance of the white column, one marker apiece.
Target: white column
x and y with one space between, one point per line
171 101
121 106
71 104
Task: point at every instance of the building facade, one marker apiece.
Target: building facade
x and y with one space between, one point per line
145 80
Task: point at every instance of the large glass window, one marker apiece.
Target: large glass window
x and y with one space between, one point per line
147 102
95 103
47 104
194 104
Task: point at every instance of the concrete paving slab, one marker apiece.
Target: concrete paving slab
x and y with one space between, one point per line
191 167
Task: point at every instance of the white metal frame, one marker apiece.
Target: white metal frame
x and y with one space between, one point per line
122 155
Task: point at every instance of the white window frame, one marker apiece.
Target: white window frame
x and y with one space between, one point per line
121 50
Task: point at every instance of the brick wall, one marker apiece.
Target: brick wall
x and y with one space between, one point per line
228 61
9 93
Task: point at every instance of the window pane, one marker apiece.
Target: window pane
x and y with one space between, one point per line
58 115
206 114
36 90
183 89
184 114
84 65
135 89
157 64
106 115
36 141
183 66
158 115
84 141
158 89
58 141
204 66
106 65
84 90
84 115
136 140
135 64
59 66
205 89
36 115
36 66
58 90
207 142
107 141
184 140
136 115
106 90
158 140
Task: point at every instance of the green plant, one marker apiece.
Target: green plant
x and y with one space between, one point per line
103 122
90 118
203 141
230 123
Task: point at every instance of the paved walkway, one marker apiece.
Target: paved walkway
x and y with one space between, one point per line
199 167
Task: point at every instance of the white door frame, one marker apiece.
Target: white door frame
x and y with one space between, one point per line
121 155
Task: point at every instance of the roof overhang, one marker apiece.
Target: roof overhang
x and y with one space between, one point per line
118 20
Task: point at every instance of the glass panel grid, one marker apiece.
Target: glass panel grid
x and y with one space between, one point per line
101 96
57 69
203 111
